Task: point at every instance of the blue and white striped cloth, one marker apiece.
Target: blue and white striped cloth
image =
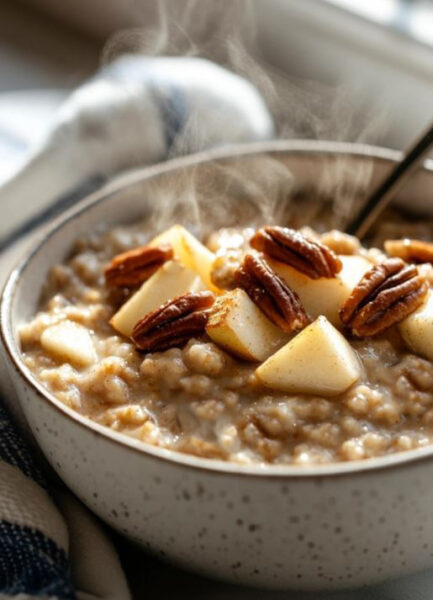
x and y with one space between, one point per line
50 546
33 535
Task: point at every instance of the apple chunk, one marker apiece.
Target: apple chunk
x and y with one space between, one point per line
169 281
417 329
324 296
319 361
190 252
236 324
69 341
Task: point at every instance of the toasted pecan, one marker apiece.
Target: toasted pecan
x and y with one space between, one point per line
386 294
291 247
135 266
412 251
271 294
173 323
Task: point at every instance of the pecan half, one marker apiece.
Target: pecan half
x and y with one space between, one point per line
409 250
271 294
135 266
386 294
291 247
173 323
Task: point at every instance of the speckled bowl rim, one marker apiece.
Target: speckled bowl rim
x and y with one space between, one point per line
286 472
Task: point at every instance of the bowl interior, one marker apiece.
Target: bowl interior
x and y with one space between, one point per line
210 188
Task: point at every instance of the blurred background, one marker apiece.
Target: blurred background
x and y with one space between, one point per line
357 70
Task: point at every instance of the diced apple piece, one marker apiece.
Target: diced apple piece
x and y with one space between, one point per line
324 296
241 328
190 252
69 341
319 361
169 281
417 329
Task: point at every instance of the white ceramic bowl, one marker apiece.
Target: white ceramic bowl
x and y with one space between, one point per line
340 525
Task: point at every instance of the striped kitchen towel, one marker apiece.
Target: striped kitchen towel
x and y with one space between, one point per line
50 546
135 111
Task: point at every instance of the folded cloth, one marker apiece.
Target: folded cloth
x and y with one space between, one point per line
37 538
136 110
33 535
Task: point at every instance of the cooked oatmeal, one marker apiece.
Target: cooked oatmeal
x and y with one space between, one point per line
200 398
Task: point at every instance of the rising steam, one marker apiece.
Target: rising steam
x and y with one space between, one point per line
105 125
227 32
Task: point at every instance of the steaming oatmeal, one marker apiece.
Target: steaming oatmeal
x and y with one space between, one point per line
272 346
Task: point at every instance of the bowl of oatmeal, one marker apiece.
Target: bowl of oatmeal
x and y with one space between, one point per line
221 374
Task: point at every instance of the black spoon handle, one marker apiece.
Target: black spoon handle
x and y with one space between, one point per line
387 189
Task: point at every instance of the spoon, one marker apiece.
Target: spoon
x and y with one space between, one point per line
387 189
